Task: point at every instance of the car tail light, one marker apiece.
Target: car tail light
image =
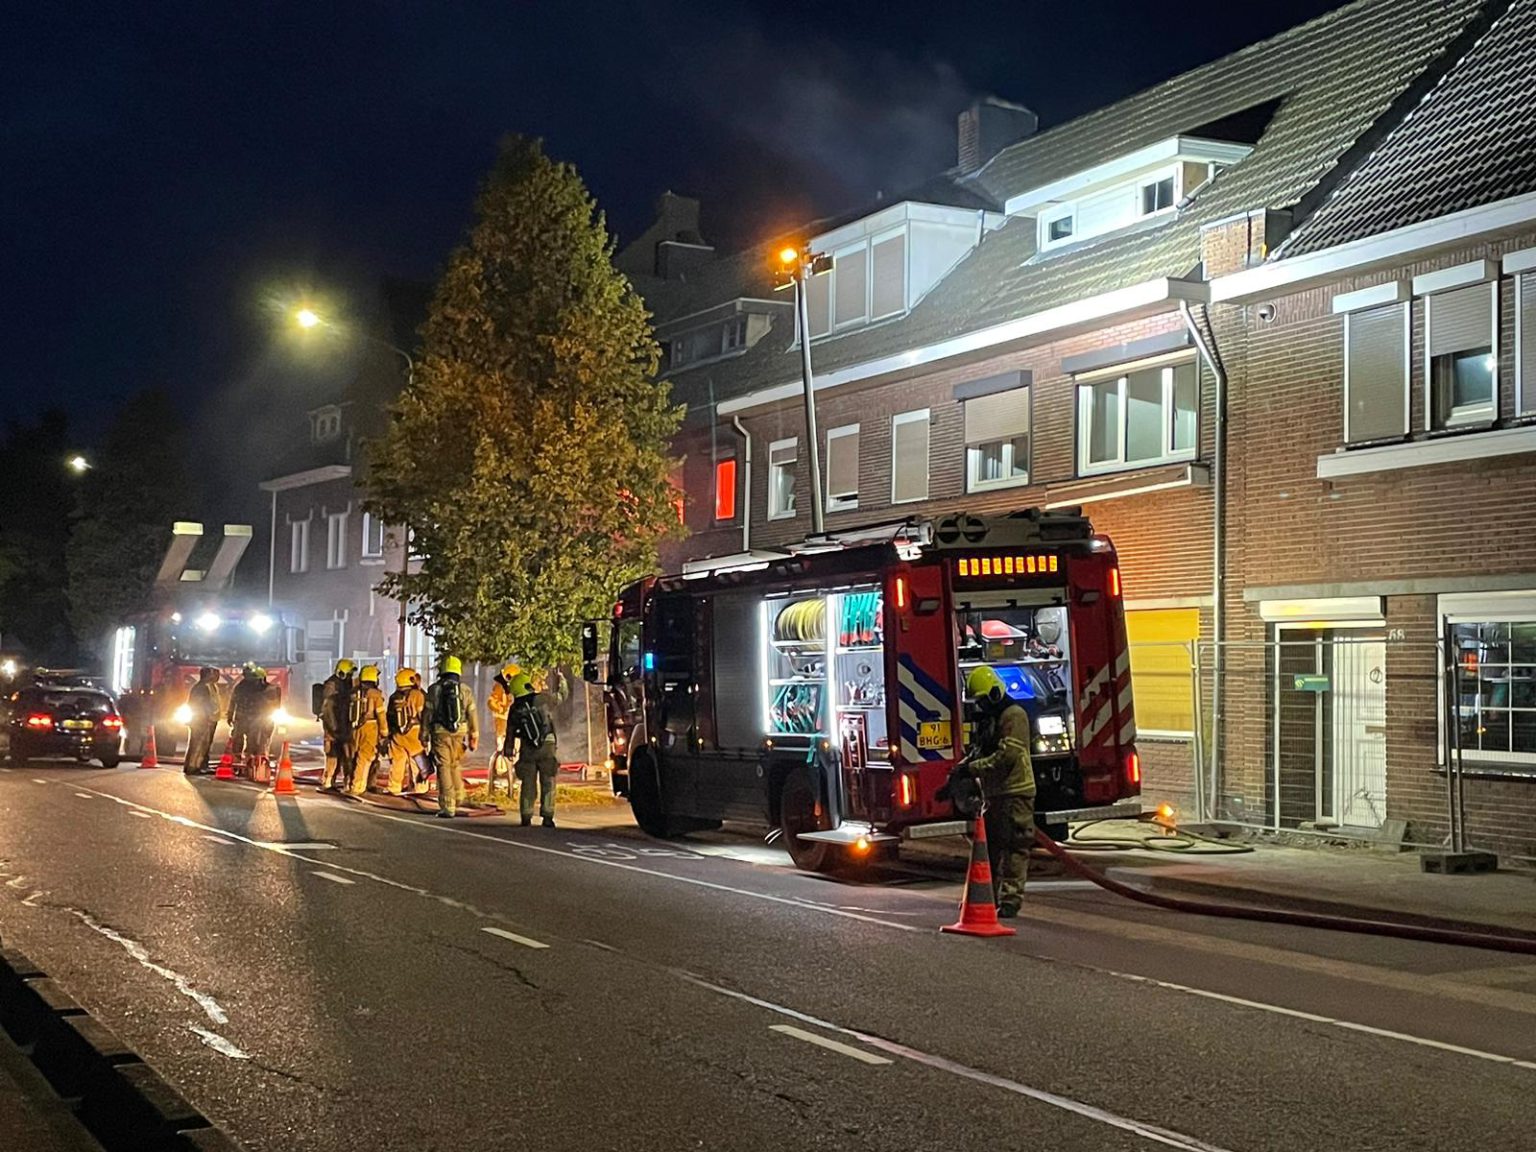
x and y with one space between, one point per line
112 722
40 720
1133 768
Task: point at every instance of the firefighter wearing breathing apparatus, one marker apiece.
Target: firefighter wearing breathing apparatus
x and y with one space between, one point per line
447 720
333 708
1007 778
406 769
369 729
530 729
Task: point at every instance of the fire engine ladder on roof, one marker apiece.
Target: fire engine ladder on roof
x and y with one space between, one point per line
907 536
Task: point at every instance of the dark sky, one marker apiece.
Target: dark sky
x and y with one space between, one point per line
171 172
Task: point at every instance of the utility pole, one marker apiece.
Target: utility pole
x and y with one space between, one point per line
801 264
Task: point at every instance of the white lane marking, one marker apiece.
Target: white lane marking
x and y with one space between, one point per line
332 877
38 780
142 815
31 901
1059 885
515 938
830 1045
600 944
218 840
1314 1018
301 846
140 953
219 1044
16 883
83 795
1165 1136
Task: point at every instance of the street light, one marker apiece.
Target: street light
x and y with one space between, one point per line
78 464
306 318
800 264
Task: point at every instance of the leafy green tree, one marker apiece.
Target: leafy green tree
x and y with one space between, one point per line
530 455
34 527
137 487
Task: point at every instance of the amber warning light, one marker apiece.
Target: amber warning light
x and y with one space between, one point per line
1005 566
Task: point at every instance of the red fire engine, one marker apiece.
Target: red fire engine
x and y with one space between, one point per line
817 687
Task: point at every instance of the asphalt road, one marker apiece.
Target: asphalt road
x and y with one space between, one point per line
315 974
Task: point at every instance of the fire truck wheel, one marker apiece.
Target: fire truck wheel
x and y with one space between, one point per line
645 798
798 802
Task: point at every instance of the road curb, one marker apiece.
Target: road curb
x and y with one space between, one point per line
119 1099
1148 880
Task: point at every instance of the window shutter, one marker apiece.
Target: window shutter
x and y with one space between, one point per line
890 275
818 302
843 465
1461 320
1527 329
1376 390
851 273
909 459
1000 416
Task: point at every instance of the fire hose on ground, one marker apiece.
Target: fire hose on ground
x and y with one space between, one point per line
1522 943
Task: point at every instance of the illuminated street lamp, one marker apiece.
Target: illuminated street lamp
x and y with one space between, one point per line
799 264
78 464
306 318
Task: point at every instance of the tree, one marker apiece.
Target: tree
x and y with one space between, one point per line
34 526
137 487
530 455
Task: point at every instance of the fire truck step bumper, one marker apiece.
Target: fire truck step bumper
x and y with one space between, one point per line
1121 810
848 833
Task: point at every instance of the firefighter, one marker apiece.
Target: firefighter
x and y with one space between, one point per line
500 703
369 729
529 726
266 699
1007 781
204 704
246 706
447 721
405 748
335 716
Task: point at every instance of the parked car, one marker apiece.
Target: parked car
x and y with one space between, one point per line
53 720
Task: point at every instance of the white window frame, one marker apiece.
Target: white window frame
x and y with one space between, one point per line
1483 414
973 480
327 426
1154 179
372 524
735 323
846 252
774 513
1484 608
1169 454
1519 344
1060 212
840 503
298 546
917 416
1407 367
336 539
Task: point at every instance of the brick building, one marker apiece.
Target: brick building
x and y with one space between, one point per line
1033 327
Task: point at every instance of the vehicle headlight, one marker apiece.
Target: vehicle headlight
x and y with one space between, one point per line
281 718
183 715
1051 726
260 623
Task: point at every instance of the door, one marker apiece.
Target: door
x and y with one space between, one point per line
1359 736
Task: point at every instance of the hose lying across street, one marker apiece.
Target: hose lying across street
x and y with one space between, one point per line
1497 941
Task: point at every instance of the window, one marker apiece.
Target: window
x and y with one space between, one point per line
842 468
325 425
867 281
1496 688
1376 374
1157 196
700 344
1144 417
888 275
818 303
1160 669
735 334
298 546
1059 228
850 286
909 456
336 540
1462 369
997 440
725 489
373 536
781 478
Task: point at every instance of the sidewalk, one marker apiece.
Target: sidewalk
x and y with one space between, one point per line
32 1117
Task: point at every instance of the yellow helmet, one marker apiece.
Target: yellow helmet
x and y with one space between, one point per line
508 671
344 667
983 683
404 678
520 685
453 664
369 674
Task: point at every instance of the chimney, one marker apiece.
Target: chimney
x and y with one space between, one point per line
671 246
990 125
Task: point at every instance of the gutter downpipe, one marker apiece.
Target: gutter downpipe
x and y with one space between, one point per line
1218 550
272 551
746 484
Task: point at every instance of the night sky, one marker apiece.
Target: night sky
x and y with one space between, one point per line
171 173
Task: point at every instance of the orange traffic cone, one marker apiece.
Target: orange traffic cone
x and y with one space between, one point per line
978 907
150 758
227 762
284 784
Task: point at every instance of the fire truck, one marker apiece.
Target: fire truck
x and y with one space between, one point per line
817 687
192 621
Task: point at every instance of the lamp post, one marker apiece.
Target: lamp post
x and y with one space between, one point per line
800 264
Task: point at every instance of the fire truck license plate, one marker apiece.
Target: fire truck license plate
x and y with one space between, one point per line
933 734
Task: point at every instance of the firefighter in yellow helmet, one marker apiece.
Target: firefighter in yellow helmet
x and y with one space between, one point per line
447 723
499 703
1007 778
333 708
406 769
529 726
369 729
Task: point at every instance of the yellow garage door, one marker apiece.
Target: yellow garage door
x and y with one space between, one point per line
1160 672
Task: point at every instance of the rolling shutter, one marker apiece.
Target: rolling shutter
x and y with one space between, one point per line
818 302
1000 416
1376 373
909 458
890 275
1527 329
1461 321
851 273
843 464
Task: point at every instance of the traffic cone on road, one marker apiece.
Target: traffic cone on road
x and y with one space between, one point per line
227 762
150 757
978 907
284 785
261 772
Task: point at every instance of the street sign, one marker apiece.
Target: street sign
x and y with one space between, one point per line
1309 683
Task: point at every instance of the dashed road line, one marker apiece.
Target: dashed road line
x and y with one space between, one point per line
39 780
83 795
332 877
219 1044
831 1045
525 941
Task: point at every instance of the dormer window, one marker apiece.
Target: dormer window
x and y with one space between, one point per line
1059 227
324 425
1157 196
